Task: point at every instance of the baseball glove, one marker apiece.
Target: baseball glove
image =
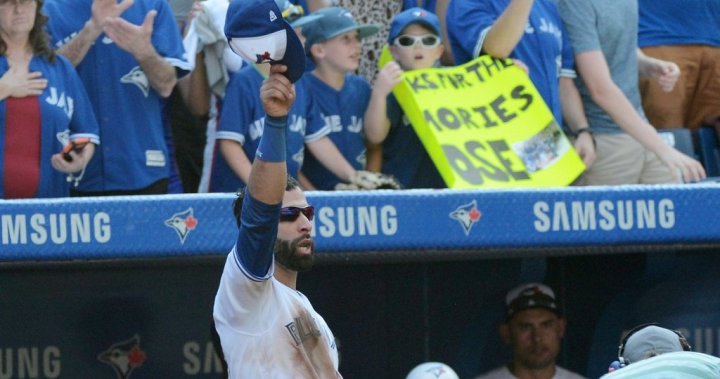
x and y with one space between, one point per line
368 180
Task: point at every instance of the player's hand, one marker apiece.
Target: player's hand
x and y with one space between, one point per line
102 10
683 167
79 160
277 93
585 148
21 83
135 39
388 78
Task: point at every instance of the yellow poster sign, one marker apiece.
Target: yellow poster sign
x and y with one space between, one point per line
485 126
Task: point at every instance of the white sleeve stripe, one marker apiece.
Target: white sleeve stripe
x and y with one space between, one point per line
324 131
480 41
179 63
237 137
568 73
250 276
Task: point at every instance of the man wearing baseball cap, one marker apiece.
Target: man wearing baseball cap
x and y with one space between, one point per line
534 328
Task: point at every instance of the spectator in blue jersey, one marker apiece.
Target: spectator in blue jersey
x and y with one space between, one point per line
129 55
333 43
532 32
603 35
686 33
43 106
414 42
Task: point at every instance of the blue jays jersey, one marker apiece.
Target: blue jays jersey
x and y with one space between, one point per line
133 154
544 47
268 330
243 118
404 156
65 114
343 113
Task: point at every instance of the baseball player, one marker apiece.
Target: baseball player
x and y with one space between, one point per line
267 328
128 55
333 42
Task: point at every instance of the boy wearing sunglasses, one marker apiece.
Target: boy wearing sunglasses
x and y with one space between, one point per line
415 43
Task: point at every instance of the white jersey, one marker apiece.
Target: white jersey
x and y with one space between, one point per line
269 330
504 373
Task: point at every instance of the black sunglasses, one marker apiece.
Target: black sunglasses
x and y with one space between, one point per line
292 213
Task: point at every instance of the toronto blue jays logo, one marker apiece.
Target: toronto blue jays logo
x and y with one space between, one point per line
467 215
124 357
183 223
264 58
436 371
137 77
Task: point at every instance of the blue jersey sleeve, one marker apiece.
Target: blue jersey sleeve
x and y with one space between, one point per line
167 40
241 118
83 122
466 22
255 246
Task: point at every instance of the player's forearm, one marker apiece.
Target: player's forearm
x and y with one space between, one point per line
508 29
161 74
76 49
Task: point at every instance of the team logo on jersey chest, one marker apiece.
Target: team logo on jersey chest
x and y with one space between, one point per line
137 77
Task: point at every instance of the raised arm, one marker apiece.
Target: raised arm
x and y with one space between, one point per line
102 10
508 29
137 40
269 169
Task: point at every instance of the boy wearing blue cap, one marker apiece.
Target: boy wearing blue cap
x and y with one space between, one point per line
415 43
242 123
333 41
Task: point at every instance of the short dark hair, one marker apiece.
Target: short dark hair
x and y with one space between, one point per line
290 184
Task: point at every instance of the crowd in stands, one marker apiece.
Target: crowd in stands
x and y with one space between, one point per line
162 104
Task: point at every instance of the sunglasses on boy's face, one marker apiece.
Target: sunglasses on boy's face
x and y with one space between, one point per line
292 213
427 40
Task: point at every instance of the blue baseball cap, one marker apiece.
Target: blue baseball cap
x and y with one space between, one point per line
257 32
334 21
413 16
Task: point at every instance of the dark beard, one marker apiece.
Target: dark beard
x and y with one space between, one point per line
287 256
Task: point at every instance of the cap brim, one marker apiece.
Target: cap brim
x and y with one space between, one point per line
294 57
302 21
363 31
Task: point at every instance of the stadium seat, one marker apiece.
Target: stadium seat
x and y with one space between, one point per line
709 150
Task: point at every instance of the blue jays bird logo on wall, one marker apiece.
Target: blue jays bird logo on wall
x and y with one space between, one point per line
183 223
467 215
124 357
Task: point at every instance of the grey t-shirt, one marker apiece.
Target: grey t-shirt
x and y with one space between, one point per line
609 26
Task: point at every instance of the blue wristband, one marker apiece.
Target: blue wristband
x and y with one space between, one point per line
272 147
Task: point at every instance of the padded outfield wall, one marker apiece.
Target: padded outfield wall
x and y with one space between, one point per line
402 277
